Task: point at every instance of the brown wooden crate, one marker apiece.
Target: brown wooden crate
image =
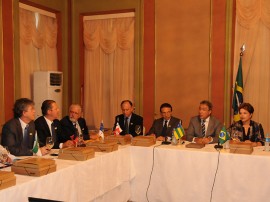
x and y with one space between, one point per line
34 162
123 140
195 145
241 148
8 182
144 141
103 146
30 171
6 174
76 153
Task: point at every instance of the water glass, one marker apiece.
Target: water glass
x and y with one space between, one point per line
49 142
138 129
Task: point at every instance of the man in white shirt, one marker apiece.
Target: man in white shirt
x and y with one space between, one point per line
48 125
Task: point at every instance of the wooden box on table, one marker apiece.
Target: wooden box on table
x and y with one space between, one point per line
119 139
241 147
103 146
195 145
76 153
7 179
144 141
34 166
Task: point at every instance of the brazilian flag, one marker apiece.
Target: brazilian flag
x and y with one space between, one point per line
36 145
238 92
223 135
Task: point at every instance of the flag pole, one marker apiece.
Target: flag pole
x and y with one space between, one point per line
238 87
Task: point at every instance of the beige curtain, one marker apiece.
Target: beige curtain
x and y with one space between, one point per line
253 29
109 68
37 48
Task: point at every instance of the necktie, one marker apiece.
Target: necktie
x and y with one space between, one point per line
76 130
126 126
53 132
203 127
26 136
164 129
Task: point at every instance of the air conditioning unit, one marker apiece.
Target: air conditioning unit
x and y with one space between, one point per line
48 85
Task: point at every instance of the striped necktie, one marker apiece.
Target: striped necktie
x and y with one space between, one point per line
203 127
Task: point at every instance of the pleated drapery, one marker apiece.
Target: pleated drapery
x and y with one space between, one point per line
109 68
37 48
253 29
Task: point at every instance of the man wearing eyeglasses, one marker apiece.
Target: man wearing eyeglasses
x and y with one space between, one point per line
204 128
163 127
74 124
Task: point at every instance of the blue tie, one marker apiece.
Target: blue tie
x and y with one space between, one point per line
164 129
126 126
26 136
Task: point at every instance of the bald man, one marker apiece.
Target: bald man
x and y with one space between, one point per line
128 120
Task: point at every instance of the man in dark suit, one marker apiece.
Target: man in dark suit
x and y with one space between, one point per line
74 124
49 126
163 127
128 120
204 128
18 134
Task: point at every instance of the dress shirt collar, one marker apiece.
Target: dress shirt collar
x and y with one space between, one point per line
168 121
129 117
206 120
49 123
23 124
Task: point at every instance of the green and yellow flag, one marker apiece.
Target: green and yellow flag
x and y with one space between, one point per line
223 135
36 145
238 92
179 131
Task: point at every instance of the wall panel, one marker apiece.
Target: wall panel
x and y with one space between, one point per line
183 66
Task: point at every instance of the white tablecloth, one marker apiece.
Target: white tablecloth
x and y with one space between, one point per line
90 180
178 174
182 174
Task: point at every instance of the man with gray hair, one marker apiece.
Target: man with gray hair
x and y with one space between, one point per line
204 128
19 133
74 124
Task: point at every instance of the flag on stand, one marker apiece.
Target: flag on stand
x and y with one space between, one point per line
101 130
223 135
179 131
117 129
36 144
238 92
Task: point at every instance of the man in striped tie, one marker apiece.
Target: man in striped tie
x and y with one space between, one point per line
204 128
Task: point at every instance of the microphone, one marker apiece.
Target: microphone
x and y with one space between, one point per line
218 146
166 142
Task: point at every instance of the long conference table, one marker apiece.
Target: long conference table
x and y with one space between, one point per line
160 173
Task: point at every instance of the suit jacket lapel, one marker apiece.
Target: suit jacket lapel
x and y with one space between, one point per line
19 130
48 132
160 124
210 126
131 122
